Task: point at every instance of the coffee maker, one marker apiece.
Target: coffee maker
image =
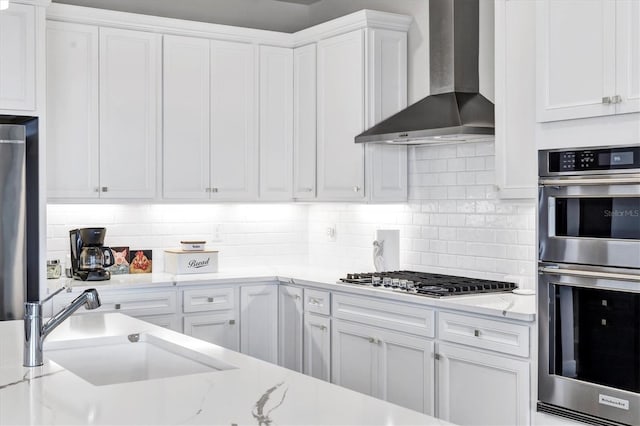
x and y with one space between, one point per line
89 257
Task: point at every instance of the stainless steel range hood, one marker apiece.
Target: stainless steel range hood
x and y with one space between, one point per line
455 111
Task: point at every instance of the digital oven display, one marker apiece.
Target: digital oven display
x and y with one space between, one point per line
615 158
594 159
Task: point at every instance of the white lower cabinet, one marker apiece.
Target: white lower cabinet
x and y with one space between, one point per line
211 314
385 364
290 327
220 328
317 346
479 388
259 322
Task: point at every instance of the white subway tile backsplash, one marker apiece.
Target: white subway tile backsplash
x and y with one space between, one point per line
454 223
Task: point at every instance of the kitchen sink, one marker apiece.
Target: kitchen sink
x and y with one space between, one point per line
123 359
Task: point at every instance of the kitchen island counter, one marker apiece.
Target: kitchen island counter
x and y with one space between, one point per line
252 393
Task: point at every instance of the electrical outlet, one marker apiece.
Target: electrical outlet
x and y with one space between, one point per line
217 233
330 232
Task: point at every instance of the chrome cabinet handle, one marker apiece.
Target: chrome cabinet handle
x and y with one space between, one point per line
232 322
372 340
214 189
315 302
105 188
210 299
321 327
116 306
606 99
632 179
616 99
476 333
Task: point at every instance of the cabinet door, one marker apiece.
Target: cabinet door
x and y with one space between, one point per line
354 357
72 110
515 78
290 327
17 57
276 123
387 94
129 88
317 346
576 58
259 322
234 147
185 165
477 388
304 122
341 117
406 370
220 328
167 321
628 55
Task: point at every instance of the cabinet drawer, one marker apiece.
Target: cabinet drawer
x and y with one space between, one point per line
317 301
484 333
132 303
394 316
208 299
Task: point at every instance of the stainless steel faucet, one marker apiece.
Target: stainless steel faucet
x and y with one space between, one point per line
35 332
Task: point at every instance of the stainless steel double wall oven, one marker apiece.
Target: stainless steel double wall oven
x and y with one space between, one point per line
589 284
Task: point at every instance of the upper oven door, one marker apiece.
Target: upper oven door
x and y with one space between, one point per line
591 221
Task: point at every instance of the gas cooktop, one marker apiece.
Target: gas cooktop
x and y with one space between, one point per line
426 284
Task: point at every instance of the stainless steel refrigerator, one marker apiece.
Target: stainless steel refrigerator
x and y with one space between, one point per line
19 216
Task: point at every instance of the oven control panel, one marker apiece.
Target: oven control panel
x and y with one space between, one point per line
620 158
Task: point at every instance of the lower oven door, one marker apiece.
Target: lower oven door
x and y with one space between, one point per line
589 342
592 220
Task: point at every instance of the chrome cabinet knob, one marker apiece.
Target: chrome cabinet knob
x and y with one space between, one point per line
476 333
116 306
210 299
105 188
232 322
606 99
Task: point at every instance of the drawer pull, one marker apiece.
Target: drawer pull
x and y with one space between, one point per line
321 327
476 333
315 302
232 322
372 340
210 299
606 100
117 306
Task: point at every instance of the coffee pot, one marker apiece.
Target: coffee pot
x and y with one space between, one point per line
89 256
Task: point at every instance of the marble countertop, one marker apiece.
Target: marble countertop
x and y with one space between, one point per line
253 393
502 305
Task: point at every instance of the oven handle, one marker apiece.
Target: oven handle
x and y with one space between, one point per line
630 180
589 274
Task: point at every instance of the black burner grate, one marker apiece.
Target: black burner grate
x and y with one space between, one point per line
426 284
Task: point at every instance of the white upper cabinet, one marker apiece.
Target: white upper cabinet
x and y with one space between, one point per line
304 122
515 112
18 57
585 58
234 141
341 117
130 70
387 94
186 144
276 123
628 55
72 110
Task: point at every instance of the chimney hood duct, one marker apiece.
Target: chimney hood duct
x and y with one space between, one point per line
455 111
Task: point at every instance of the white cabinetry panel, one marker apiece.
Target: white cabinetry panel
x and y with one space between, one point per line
259 322
290 323
276 123
341 117
628 55
72 110
186 89
317 346
476 388
387 94
129 88
18 57
234 141
304 122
